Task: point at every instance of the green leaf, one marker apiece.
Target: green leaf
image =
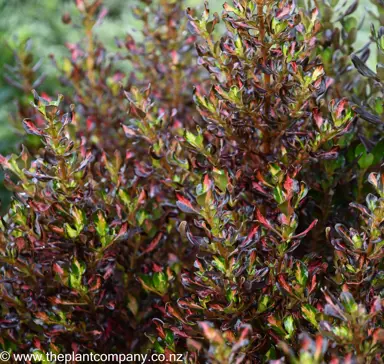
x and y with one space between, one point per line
301 273
264 303
348 302
101 224
195 140
124 197
76 274
71 232
141 216
40 357
169 338
270 355
219 263
221 179
366 159
378 152
79 218
160 282
350 23
309 313
289 326
278 195
158 348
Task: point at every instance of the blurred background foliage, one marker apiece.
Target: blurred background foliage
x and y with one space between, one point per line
41 21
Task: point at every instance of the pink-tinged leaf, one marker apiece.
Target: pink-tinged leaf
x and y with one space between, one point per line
67 118
330 155
20 243
4 162
315 13
329 82
171 311
153 243
109 272
283 283
185 205
341 106
250 237
57 269
313 284
344 234
157 268
96 285
179 332
263 220
42 316
305 232
122 231
129 133
142 197
90 124
85 162
143 170
175 57
284 12
216 306
372 179
288 185
103 13
30 127
39 206
318 118
210 333
258 188
207 183
159 328
80 5
245 332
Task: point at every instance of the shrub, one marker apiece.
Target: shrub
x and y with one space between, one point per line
235 215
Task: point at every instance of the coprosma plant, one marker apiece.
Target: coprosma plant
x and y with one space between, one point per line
224 219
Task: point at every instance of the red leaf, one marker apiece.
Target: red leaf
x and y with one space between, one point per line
184 205
305 232
263 220
129 133
179 332
97 285
288 185
39 206
85 162
250 236
58 269
313 285
340 107
210 333
80 5
4 162
284 12
153 243
157 268
122 231
283 283
260 189
30 127
318 118
207 183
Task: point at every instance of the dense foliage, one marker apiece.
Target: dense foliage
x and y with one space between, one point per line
224 200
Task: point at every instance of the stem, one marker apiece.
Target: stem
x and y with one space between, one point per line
360 184
267 77
90 49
